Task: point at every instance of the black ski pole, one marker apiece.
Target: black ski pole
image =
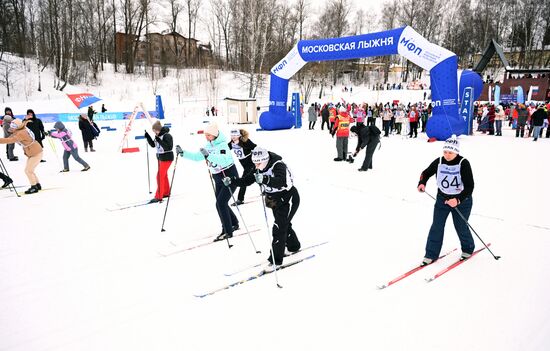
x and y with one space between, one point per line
242 218
465 220
171 191
148 172
269 236
5 171
229 245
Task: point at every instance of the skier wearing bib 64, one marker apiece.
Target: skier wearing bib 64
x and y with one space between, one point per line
455 183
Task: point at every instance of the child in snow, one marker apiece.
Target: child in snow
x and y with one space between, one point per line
163 143
21 135
242 147
220 163
455 183
69 145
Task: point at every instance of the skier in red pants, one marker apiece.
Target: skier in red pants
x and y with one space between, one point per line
163 143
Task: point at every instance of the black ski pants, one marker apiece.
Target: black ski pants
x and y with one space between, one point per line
283 234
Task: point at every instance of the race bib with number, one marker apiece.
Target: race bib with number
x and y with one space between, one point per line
449 180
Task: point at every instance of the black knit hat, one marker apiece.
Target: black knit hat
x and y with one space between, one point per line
8 109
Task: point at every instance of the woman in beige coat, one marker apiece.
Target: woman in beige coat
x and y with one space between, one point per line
32 149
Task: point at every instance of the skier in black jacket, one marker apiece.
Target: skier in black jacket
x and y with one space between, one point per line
281 196
242 147
455 183
369 137
163 143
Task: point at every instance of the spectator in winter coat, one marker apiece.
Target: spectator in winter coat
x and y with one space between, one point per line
281 196
242 147
413 120
537 120
69 145
522 119
37 127
455 183
164 144
399 117
8 118
86 128
220 162
21 135
91 113
491 119
312 116
368 137
341 130
325 114
387 115
499 119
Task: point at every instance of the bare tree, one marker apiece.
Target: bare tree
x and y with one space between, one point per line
223 14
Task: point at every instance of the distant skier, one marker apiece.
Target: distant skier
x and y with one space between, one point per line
163 143
242 147
280 195
455 183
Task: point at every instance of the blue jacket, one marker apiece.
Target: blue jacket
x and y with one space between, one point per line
219 158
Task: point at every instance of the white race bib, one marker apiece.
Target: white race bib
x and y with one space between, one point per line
449 180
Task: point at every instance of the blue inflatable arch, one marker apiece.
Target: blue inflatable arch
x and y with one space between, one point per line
440 62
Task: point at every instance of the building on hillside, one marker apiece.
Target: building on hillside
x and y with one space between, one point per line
535 82
164 49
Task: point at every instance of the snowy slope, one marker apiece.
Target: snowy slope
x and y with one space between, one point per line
74 276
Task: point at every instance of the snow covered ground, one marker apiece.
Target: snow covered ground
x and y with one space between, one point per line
75 276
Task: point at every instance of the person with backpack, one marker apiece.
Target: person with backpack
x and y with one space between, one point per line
21 135
369 137
69 145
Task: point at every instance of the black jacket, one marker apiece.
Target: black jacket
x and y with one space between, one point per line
538 117
366 136
465 173
247 146
276 181
164 144
86 129
37 127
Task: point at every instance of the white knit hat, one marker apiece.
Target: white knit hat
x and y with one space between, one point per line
259 155
452 144
235 133
212 129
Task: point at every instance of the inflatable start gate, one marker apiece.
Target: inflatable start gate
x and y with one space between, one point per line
406 42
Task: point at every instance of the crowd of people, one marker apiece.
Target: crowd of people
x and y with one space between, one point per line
29 133
535 118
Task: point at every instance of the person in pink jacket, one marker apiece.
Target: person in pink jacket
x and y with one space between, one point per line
69 145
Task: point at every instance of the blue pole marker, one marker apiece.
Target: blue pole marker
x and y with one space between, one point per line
405 41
